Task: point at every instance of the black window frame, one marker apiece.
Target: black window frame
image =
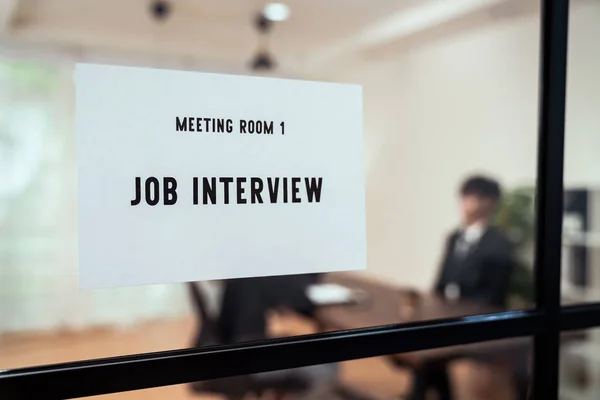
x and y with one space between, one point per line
544 323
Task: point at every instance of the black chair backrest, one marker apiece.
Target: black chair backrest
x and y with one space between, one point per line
198 302
208 333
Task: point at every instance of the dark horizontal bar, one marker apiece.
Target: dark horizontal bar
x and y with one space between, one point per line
102 376
582 316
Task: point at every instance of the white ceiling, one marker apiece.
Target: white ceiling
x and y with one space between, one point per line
219 34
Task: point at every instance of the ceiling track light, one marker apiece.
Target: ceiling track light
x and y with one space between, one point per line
160 10
262 60
276 12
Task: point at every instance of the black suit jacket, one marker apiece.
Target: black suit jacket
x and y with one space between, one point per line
484 274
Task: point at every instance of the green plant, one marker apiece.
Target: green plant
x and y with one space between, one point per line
515 217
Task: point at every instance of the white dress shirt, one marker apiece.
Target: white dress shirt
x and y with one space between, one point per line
468 238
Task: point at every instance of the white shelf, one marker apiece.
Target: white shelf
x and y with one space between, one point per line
578 294
587 355
588 239
587 350
571 393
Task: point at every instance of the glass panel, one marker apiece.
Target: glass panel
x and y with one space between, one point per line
580 365
581 226
449 94
496 370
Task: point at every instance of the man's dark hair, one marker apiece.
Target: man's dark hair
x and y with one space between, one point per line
481 186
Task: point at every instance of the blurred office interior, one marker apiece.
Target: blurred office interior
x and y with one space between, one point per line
450 90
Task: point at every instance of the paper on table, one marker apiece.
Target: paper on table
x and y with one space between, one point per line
330 293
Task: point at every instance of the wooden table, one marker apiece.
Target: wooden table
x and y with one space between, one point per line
383 306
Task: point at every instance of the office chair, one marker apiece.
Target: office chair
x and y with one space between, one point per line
208 324
238 387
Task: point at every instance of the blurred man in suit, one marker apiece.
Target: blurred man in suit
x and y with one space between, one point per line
477 266
478 260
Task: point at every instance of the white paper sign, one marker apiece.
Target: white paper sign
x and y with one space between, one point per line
187 176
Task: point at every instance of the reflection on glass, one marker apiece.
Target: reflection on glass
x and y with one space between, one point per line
24 125
446 97
40 303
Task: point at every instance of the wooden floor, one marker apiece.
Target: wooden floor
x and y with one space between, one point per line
373 376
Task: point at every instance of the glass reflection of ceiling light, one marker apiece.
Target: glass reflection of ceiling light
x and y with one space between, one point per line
276 11
21 140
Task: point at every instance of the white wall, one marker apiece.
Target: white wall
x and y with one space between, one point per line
460 104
